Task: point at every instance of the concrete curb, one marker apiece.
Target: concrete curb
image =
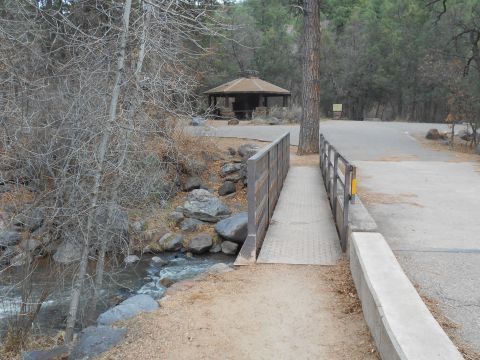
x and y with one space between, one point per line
400 323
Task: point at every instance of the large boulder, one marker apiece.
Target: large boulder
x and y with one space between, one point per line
433 134
95 340
200 244
193 182
230 168
228 187
203 205
171 242
69 251
234 228
9 238
248 150
127 309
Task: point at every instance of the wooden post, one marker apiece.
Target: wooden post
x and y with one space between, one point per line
209 100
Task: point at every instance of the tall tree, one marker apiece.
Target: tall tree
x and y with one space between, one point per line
310 126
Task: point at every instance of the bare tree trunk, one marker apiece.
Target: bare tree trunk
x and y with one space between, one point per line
102 150
309 128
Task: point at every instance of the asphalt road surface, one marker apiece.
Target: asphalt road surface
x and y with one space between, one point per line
425 202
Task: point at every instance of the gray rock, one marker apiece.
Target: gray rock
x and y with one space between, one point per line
215 249
228 187
219 268
30 219
235 177
274 121
203 205
200 244
465 135
232 151
130 259
193 182
9 238
7 255
127 309
248 150
69 251
197 121
229 169
190 225
233 122
171 242
176 217
58 352
159 261
433 134
139 226
95 340
234 228
229 248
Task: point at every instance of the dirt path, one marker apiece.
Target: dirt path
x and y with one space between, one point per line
257 312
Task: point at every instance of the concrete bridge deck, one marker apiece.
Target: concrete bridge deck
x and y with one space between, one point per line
302 230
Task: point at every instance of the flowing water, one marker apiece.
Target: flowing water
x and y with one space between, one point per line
144 277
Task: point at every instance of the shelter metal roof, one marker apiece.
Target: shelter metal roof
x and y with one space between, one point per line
253 85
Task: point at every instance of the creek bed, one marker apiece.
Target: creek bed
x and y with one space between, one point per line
143 277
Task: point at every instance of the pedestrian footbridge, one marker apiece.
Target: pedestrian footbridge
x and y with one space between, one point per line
290 219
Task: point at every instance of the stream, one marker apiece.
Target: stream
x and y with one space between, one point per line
143 277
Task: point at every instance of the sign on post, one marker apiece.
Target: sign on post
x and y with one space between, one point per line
337 111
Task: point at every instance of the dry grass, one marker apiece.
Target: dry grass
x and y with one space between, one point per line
461 150
398 158
304 160
371 198
33 343
341 282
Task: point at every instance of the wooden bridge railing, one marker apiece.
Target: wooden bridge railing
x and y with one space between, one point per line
341 184
267 171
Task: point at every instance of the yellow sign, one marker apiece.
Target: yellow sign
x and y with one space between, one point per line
337 107
354 187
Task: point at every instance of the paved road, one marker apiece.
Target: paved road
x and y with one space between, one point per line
425 203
